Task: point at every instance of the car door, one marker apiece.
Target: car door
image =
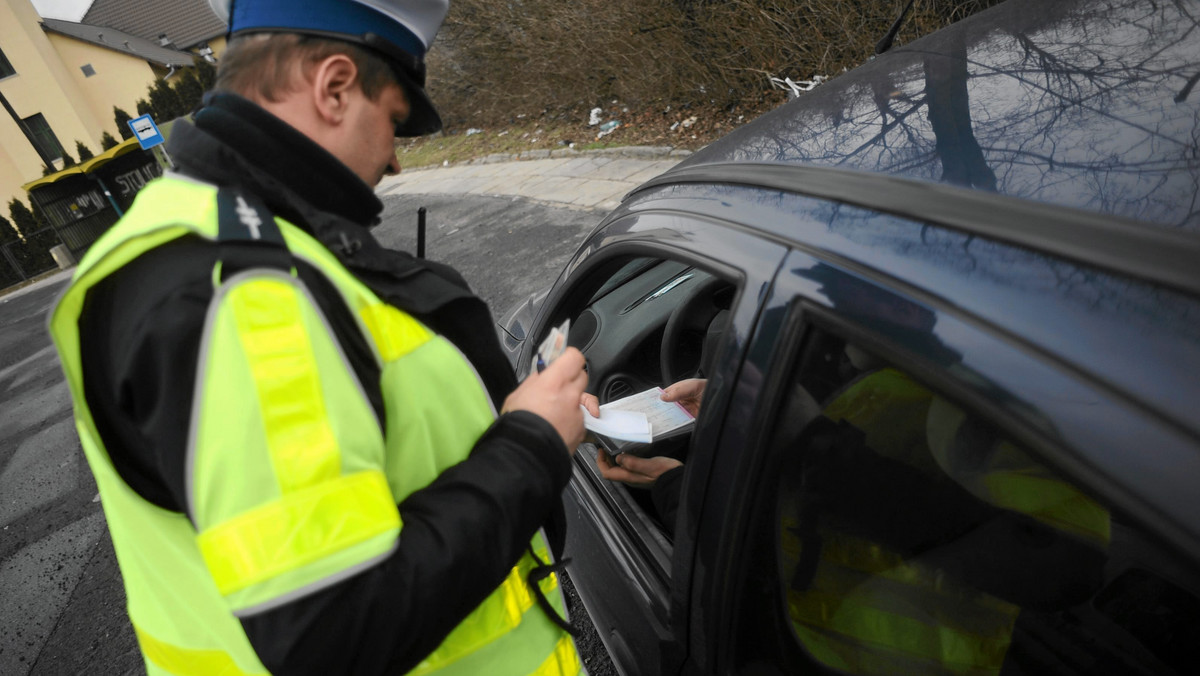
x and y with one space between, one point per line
699 283
912 491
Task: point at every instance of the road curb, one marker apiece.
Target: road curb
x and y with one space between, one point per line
630 152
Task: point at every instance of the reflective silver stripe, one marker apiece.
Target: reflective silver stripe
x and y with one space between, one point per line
189 459
486 395
314 587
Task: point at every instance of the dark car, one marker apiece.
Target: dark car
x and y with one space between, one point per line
948 310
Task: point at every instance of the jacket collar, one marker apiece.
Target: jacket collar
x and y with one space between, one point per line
235 142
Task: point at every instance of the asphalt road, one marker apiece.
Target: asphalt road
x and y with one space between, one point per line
62 609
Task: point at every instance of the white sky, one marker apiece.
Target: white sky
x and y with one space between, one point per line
67 10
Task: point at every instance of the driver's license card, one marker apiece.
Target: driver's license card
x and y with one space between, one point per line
553 346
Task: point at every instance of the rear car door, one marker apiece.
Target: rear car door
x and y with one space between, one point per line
917 492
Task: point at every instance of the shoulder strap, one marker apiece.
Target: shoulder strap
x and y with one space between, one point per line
247 235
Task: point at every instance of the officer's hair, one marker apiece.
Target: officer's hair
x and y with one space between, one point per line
262 63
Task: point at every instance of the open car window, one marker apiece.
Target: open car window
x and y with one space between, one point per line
647 322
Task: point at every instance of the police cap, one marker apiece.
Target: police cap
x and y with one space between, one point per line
401 31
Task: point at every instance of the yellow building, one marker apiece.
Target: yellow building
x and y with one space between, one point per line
61 79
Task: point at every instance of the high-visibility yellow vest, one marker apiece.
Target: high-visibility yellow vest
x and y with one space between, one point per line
1005 476
869 610
314 495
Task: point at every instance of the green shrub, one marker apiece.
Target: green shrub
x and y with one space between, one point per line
122 118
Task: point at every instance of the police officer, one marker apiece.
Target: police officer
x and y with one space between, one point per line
294 430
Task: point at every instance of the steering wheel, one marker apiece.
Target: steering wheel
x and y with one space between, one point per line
683 337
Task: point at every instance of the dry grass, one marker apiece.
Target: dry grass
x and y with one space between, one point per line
459 147
677 73
552 61
638 128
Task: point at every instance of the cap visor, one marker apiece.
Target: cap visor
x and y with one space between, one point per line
422 118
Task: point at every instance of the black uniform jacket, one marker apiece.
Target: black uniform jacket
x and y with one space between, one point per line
141 330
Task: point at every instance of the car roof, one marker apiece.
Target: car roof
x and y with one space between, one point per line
1091 105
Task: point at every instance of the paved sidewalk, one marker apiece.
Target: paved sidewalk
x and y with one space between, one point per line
585 180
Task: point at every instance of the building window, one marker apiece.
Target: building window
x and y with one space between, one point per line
43 136
87 69
6 68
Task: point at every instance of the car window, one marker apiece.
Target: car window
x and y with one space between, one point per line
648 322
913 536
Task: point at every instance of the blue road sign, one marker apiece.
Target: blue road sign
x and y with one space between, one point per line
146 131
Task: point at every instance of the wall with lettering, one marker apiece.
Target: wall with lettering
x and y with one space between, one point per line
129 183
128 174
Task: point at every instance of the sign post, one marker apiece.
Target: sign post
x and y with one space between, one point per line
146 131
149 137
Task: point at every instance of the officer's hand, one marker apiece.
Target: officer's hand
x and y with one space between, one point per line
591 403
554 394
632 470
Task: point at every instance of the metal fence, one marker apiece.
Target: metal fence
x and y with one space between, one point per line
76 206
22 260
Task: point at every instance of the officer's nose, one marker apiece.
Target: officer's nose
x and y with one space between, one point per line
393 166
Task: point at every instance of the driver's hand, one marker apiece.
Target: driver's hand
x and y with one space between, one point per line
554 394
635 471
688 393
591 403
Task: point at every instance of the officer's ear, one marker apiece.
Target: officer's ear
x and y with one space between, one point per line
332 82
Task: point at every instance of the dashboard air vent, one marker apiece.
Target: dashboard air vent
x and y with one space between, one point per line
616 389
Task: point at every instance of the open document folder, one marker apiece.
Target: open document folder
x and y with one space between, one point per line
641 417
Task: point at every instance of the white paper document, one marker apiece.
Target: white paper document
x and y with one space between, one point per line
623 425
641 417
